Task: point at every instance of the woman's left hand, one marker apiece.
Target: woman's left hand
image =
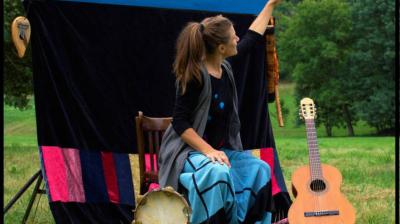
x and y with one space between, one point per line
274 2
220 156
260 23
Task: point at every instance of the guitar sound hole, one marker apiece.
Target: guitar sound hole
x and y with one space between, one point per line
317 185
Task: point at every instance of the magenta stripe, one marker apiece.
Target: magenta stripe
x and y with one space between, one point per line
110 175
73 169
267 155
147 162
55 171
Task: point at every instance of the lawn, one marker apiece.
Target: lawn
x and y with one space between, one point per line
365 161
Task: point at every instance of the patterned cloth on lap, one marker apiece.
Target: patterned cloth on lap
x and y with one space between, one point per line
216 193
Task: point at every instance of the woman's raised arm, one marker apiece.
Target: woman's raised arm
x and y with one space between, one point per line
259 25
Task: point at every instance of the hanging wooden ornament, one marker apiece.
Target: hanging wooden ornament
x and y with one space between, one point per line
21 34
272 67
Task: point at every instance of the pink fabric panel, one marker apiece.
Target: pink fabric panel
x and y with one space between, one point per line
147 162
267 155
72 160
54 166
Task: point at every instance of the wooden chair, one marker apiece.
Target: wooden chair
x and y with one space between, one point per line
149 132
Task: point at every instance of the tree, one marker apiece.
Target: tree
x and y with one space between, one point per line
282 14
372 62
17 72
315 46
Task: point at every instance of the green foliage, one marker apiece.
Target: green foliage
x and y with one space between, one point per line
296 128
371 62
313 47
17 72
282 14
341 54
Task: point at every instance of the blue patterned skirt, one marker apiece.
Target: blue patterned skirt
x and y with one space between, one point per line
219 194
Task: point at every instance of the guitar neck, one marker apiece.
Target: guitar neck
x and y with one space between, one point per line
315 164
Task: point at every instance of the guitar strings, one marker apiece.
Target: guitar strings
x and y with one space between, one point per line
315 174
319 182
315 199
315 170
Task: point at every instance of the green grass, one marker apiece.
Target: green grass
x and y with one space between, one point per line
20 163
20 126
366 165
365 162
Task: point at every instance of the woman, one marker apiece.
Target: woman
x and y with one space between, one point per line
201 152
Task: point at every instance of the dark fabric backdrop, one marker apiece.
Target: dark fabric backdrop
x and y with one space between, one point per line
95 66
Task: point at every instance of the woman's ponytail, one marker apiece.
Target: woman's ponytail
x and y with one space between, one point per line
190 53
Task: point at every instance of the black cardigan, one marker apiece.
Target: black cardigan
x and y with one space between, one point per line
185 104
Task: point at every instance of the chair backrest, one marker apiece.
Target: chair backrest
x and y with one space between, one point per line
149 132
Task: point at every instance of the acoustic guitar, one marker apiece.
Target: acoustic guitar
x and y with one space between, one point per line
317 186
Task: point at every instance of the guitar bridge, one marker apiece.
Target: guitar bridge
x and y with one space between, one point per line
321 213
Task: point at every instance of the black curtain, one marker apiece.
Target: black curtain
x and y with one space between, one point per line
95 66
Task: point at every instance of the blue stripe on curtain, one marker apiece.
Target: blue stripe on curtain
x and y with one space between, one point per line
94 182
226 6
124 178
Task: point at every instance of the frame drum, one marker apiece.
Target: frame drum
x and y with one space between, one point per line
162 206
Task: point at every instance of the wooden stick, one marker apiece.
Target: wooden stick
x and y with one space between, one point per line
278 107
276 81
272 70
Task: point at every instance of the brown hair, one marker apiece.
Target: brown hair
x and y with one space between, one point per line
194 42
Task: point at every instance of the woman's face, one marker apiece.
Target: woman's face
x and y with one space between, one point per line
229 49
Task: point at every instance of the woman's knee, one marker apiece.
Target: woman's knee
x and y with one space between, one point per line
219 171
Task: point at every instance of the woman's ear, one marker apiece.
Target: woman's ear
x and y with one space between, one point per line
221 49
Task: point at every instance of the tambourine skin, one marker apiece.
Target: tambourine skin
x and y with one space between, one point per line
162 206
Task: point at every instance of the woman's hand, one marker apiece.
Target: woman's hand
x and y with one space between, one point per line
274 2
220 156
191 137
259 25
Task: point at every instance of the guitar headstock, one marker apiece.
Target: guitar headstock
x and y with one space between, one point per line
307 109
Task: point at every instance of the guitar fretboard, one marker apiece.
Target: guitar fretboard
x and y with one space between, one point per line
315 164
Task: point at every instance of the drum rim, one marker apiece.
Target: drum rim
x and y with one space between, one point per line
165 189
